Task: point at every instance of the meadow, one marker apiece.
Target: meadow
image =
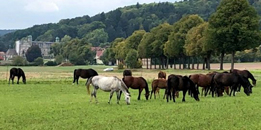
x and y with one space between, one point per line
50 101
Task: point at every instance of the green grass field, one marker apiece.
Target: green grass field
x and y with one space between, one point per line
50 101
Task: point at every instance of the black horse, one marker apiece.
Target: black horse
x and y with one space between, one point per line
17 72
83 73
230 79
127 73
178 83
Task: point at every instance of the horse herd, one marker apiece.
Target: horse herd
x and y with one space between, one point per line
214 83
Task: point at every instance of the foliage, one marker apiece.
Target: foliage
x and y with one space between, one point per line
131 59
50 63
39 61
120 65
58 59
19 61
33 52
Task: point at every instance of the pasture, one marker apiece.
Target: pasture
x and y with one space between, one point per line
50 101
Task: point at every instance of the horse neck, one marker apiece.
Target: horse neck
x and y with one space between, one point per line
251 76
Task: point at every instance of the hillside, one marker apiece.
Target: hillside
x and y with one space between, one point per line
3 32
121 22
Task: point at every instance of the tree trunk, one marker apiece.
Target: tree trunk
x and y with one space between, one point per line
174 63
208 60
197 64
155 65
232 60
150 63
167 66
193 63
147 60
188 62
179 64
221 60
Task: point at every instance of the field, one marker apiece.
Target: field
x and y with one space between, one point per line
50 101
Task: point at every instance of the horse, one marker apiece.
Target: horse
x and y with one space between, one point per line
17 72
160 84
108 84
83 73
202 80
162 74
137 83
178 83
230 79
246 74
127 73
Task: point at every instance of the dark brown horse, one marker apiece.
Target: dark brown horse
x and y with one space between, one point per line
180 83
246 74
202 80
83 73
137 83
230 79
127 73
162 74
17 72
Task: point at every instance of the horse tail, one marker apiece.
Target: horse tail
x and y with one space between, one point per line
74 73
89 81
146 87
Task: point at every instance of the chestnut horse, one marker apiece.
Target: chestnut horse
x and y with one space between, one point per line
178 83
17 72
202 80
137 83
160 84
162 74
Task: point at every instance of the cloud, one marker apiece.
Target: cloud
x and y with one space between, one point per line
41 6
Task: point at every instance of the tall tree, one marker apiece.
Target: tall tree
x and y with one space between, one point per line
33 52
234 27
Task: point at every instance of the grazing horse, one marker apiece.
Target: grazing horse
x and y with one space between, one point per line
162 74
84 73
137 83
158 84
127 73
17 72
246 74
230 79
202 80
178 83
108 84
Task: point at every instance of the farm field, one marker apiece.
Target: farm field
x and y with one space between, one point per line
50 101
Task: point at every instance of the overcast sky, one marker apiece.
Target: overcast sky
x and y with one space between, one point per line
21 14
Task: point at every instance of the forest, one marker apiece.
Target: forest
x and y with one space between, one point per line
105 28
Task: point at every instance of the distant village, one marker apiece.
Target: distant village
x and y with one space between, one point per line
22 45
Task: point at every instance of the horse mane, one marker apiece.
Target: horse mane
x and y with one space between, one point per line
22 73
250 75
123 84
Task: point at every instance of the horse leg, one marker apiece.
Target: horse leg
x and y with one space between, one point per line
173 95
140 90
13 79
18 77
118 96
184 94
111 94
94 95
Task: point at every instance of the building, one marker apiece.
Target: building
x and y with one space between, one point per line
22 45
99 52
10 54
2 55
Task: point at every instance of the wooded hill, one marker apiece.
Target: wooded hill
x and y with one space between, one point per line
121 22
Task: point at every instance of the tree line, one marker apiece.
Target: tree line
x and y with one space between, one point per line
233 27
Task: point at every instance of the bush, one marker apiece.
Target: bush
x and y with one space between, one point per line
39 61
120 65
19 61
50 63
138 64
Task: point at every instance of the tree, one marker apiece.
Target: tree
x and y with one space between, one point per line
18 61
39 61
234 27
32 53
131 58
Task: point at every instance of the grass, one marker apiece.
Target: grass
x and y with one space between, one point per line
57 104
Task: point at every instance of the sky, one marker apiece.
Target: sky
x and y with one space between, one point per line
21 14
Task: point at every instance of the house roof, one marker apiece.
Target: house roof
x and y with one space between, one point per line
2 53
11 52
99 53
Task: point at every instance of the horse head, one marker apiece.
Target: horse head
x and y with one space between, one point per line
192 87
127 98
246 85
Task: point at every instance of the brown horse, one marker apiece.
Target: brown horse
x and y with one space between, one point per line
17 72
160 84
137 83
162 74
230 79
202 80
246 74
127 73
84 73
178 83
